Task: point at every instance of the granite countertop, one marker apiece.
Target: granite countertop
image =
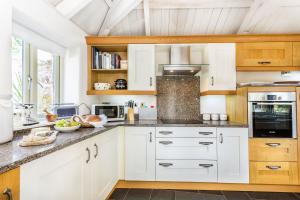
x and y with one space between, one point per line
12 155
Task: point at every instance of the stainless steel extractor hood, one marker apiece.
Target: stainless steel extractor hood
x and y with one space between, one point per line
180 62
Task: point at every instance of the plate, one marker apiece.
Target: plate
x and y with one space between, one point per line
67 129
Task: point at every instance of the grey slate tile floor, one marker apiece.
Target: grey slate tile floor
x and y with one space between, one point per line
148 194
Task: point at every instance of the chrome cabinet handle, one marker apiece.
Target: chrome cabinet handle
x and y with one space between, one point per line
221 138
206 143
273 144
165 142
212 81
166 164
166 132
150 136
273 167
264 62
96 147
8 193
151 81
206 165
205 133
89 155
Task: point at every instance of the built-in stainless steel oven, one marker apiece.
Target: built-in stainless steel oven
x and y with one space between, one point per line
272 114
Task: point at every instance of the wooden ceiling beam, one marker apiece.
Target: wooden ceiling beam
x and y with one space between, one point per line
69 8
118 10
182 4
147 17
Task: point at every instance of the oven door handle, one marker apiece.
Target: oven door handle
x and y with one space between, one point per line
274 103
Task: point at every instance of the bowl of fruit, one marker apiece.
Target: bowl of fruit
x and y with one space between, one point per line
66 125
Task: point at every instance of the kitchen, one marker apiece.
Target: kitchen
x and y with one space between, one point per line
117 112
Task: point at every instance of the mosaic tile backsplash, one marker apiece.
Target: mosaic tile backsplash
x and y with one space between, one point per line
178 97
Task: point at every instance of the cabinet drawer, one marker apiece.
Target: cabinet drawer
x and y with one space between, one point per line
186 170
186 132
274 172
186 148
264 54
273 149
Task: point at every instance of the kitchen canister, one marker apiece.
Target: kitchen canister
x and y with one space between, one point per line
215 116
223 117
6 118
206 116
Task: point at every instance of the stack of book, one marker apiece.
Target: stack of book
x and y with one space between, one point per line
104 60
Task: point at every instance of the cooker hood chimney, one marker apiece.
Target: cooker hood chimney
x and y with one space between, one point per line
180 62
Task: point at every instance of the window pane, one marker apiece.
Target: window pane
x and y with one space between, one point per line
17 70
45 78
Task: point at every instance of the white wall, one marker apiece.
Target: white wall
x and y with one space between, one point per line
213 104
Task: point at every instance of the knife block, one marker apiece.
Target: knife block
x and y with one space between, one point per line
130 114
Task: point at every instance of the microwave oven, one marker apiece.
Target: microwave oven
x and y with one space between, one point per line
114 112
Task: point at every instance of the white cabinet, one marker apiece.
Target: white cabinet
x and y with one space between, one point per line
84 171
141 67
61 175
233 162
140 153
221 72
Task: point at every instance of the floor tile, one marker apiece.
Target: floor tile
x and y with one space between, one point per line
119 194
230 195
138 194
163 195
181 195
273 195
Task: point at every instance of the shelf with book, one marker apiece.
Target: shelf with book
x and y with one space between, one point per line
104 64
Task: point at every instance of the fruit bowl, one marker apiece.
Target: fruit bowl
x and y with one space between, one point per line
67 129
66 125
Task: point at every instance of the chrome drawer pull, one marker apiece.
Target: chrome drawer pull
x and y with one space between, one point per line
166 132
206 143
165 142
264 62
89 155
205 133
273 167
206 165
273 144
166 164
7 192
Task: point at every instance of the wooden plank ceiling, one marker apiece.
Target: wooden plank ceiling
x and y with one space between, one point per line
182 17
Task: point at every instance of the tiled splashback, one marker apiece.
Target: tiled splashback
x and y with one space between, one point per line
178 97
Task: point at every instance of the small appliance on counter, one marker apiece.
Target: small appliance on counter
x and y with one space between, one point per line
28 119
121 84
66 110
114 112
272 114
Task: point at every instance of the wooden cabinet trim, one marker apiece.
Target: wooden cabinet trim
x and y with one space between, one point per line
272 89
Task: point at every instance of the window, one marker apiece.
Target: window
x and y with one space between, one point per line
17 70
35 76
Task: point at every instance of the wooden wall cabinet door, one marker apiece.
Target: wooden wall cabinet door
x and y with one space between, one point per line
221 72
140 153
10 181
233 162
264 54
141 67
296 54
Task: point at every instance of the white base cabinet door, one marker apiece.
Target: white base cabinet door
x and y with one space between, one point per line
140 153
61 175
141 67
88 170
104 166
233 162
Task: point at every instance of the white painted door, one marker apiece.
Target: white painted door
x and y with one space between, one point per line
140 153
221 72
141 67
61 175
104 165
233 162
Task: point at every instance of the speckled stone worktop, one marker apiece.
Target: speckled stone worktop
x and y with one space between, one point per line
12 155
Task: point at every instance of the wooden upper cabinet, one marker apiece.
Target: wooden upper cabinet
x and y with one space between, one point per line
296 53
265 54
